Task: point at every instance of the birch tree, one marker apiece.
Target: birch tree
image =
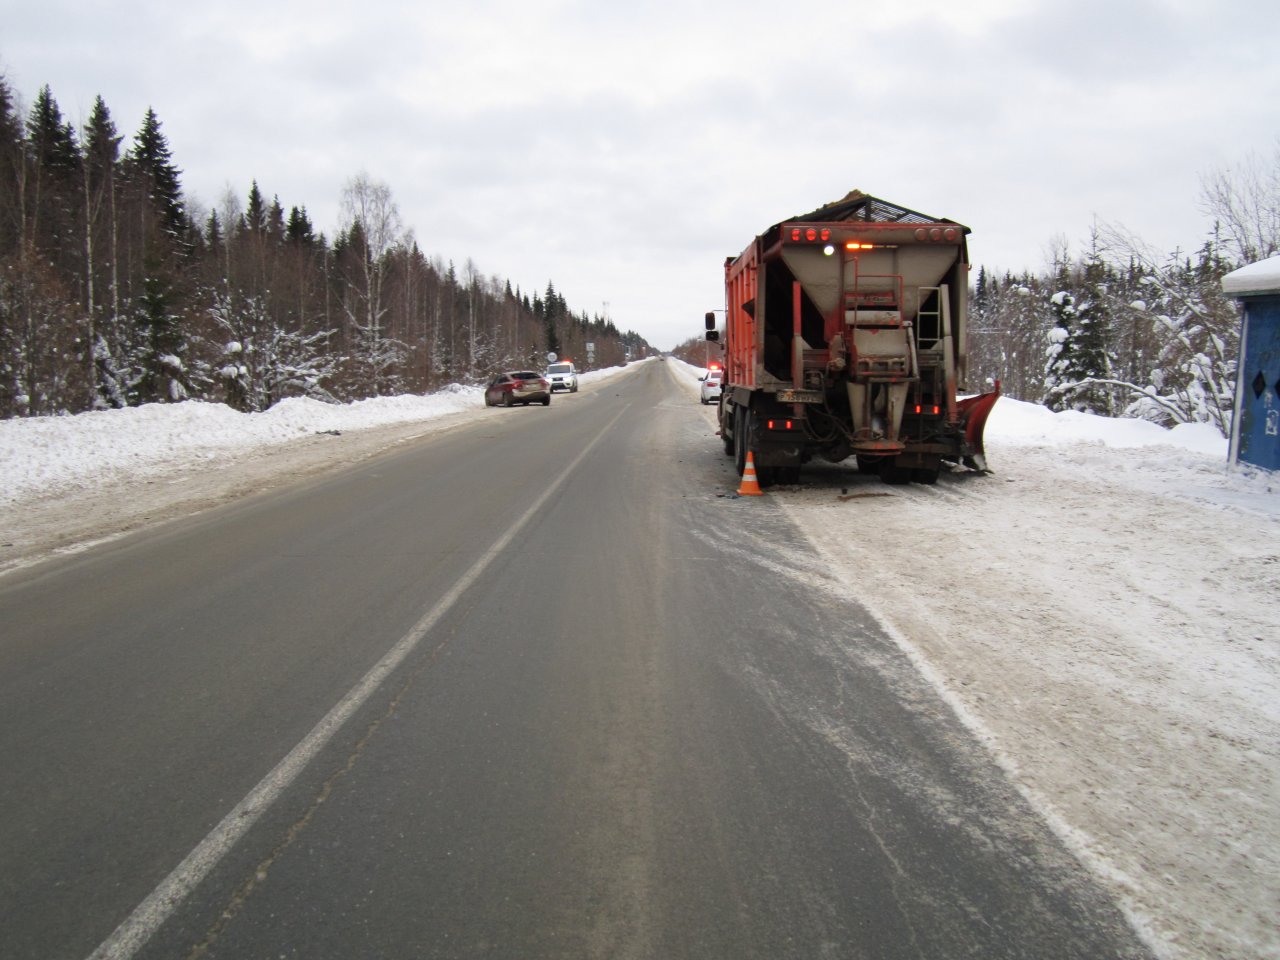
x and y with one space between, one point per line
373 227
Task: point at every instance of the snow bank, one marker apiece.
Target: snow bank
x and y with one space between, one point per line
39 455
1030 424
42 455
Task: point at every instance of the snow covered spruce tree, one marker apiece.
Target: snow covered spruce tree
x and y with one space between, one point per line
1078 359
554 310
102 306
53 180
262 361
1009 325
150 166
267 340
159 347
1059 365
164 377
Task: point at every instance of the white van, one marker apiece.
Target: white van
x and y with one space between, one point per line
563 376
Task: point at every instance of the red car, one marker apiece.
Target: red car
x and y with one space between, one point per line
517 386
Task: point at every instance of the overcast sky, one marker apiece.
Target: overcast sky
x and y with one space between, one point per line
621 151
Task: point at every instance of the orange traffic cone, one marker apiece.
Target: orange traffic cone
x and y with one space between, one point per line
750 486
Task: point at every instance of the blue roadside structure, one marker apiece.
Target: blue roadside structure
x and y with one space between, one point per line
1255 428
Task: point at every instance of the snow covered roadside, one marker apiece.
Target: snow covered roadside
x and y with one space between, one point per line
43 455
1101 611
52 454
69 482
1110 631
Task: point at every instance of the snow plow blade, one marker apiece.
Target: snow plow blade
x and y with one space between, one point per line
973 413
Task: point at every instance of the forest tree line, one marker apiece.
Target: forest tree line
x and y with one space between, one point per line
1121 330
114 293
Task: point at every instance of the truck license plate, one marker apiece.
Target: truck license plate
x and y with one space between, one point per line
800 396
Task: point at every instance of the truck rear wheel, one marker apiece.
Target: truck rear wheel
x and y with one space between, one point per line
869 464
893 474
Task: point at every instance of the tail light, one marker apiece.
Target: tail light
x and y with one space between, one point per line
811 234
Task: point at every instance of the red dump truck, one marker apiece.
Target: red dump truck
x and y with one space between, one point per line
845 336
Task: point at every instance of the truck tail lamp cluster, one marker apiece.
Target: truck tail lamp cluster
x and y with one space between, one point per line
820 234
812 234
782 424
823 235
927 408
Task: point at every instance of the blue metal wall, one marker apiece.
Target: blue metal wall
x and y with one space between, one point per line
1259 426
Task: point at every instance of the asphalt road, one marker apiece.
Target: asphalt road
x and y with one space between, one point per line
536 688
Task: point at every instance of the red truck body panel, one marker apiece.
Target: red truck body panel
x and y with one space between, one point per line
850 321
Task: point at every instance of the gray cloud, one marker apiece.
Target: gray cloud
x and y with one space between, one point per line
623 151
